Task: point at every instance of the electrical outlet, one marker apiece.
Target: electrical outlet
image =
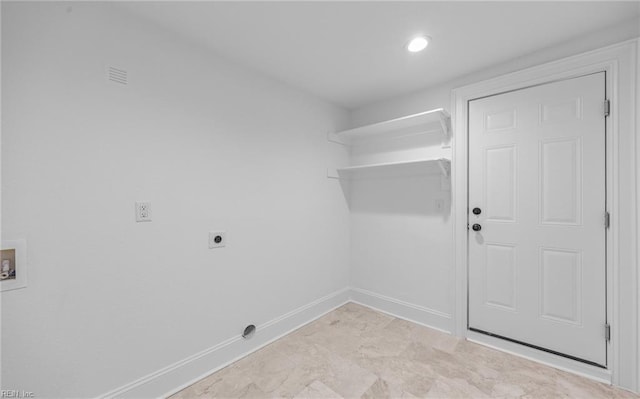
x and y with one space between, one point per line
217 239
143 211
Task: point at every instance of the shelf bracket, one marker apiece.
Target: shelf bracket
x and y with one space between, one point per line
445 122
445 179
334 138
445 167
332 173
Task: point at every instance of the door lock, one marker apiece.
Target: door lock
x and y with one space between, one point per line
477 211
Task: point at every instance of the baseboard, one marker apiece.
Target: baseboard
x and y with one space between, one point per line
175 377
179 375
404 310
444 322
548 359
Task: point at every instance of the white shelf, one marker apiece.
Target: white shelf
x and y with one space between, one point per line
415 167
437 119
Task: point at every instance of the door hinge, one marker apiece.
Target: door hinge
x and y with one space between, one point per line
607 107
607 332
607 220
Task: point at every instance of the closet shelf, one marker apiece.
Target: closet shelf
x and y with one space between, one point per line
415 167
423 122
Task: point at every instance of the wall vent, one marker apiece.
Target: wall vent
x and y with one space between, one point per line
117 75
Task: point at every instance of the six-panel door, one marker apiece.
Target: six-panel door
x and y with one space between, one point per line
537 174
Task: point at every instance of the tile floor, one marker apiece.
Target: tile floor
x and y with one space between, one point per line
355 352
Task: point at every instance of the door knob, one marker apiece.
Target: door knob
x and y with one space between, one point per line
477 211
476 227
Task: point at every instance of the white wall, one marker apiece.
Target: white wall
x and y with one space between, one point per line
400 241
423 232
0 190
213 146
210 144
420 233
440 95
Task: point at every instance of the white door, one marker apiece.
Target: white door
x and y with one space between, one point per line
537 176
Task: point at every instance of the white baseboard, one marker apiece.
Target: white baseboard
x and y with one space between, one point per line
177 376
404 310
444 322
536 355
180 375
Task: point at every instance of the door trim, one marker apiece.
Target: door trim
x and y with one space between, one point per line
619 62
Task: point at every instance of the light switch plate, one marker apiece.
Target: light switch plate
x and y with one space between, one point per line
143 211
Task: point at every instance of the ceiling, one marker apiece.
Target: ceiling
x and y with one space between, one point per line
352 53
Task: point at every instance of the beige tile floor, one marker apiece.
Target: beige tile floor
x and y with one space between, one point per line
355 352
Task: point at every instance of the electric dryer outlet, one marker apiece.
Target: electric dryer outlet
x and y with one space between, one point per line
217 239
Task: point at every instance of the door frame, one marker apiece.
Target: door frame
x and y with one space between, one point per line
619 62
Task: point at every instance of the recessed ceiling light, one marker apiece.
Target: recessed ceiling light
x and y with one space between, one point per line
418 44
